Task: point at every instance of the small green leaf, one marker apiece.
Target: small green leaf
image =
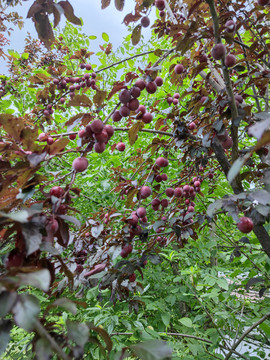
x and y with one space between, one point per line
265 328
105 37
166 319
223 284
186 321
25 56
92 37
14 53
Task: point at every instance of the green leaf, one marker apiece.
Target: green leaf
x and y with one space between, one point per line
138 324
14 53
186 321
105 37
166 319
25 56
223 284
265 328
92 37
25 311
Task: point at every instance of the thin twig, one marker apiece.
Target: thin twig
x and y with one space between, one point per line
129 58
111 113
147 130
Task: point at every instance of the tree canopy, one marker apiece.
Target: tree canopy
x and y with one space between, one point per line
134 188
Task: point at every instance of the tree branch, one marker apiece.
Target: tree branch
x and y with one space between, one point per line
228 84
44 334
184 336
126 59
245 334
147 130
259 230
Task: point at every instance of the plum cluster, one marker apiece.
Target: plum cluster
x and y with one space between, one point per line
98 134
219 52
174 99
186 193
73 84
44 137
129 100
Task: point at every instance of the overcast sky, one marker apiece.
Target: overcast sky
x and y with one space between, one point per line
95 21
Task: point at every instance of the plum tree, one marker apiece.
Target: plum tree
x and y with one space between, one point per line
230 26
170 192
147 118
159 81
140 84
196 134
124 96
